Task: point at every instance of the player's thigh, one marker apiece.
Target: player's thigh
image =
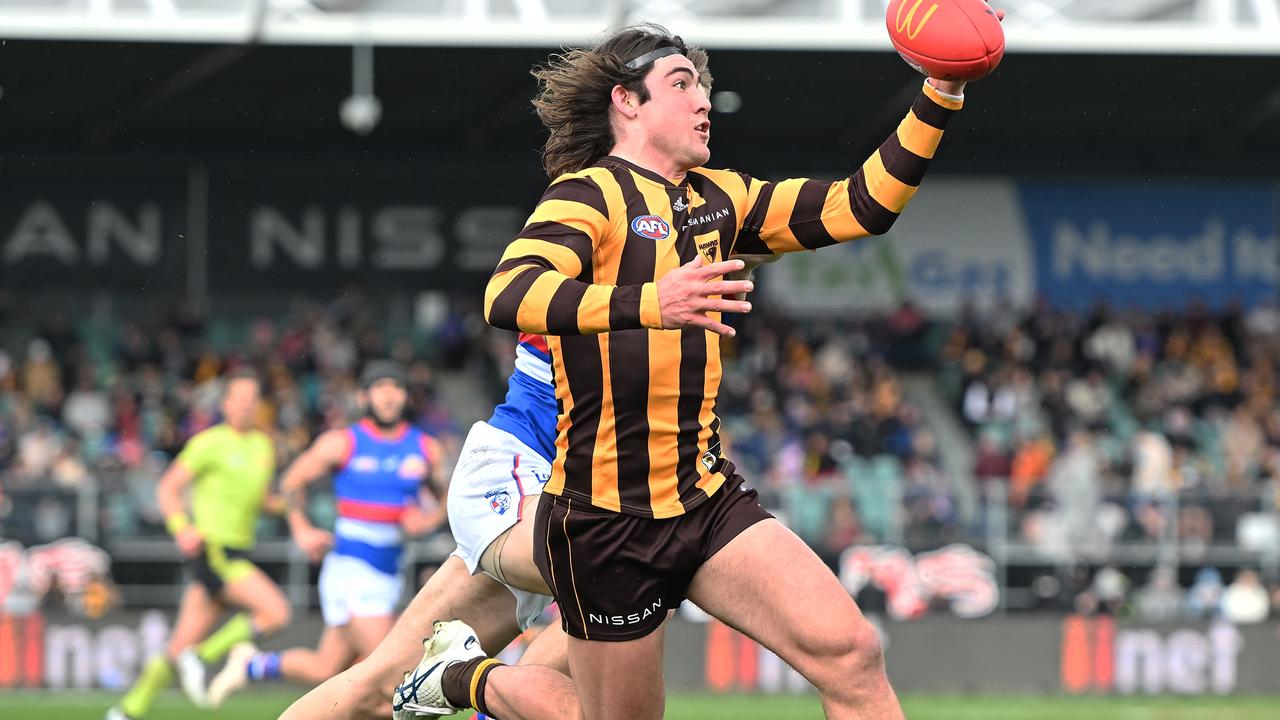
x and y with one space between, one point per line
767 584
549 648
452 592
248 587
363 633
517 554
335 649
619 680
197 613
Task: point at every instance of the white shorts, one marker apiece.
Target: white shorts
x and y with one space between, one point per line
351 587
495 473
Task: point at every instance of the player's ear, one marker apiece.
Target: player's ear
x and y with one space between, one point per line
626 102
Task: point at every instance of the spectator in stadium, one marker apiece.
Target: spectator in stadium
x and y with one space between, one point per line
1245 601
1204 599
1160 599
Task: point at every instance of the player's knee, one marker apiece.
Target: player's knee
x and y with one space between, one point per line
842 652
373 698
272 617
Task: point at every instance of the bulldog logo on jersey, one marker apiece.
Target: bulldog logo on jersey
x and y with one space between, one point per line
499 501
652 227
413 467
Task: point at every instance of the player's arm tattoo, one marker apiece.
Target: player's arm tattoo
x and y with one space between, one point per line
295 500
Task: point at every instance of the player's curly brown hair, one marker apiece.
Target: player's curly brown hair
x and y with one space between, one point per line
574 90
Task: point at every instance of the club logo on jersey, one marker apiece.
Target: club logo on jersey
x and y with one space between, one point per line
652 227
709 460
499 501
413 467
710 249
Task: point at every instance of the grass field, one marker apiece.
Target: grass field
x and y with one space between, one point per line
265 706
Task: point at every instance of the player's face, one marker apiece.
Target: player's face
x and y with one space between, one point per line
387 400
240 402
676 116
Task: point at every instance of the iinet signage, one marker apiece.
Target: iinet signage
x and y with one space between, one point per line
1099 657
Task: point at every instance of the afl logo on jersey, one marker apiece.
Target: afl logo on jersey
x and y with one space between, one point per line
652 227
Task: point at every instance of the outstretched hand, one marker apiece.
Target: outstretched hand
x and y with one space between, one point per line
687 294
956 87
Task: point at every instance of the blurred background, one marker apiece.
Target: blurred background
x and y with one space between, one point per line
1039 417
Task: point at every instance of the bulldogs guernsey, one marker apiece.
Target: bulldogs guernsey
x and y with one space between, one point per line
381 476
529 412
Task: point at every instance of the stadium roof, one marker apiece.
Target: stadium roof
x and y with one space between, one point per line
1092 26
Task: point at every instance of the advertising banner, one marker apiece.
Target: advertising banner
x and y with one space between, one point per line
1152 245
959 242
92 231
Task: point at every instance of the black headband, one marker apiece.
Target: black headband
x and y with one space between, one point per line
652 55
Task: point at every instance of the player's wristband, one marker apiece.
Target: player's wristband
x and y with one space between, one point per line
176 523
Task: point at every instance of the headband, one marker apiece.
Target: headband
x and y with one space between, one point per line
652 55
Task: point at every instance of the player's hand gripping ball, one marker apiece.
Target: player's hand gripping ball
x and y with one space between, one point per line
947 39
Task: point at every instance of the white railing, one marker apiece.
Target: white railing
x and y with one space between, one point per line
1108 26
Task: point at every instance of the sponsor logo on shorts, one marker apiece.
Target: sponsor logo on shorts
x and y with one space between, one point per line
499 501
542 478
623 620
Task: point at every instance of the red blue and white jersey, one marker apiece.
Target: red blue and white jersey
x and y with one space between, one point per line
380 477
530 410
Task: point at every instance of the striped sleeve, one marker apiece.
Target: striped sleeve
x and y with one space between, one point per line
803 214
543 285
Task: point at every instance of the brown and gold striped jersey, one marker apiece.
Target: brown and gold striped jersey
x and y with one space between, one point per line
637 431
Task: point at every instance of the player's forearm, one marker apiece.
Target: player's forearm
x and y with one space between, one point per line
889 179
169 499
533 298
294 495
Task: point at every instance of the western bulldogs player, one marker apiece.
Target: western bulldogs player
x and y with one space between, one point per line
490 581
380 467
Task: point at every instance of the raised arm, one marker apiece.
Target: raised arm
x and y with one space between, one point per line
330 450
803 214
543 284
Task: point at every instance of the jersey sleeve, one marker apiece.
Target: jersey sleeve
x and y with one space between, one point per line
543 284
803 214
197 454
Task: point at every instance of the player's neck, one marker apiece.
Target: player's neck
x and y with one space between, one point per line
239 428
651 159
393 432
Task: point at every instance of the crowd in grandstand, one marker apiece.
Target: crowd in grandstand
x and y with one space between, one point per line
1099 428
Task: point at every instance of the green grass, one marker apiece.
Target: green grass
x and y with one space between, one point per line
267 705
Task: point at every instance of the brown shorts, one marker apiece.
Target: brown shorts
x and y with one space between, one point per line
616 576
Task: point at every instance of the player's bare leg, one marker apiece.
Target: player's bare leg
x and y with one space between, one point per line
540 688
363 634
518 568
307 666
197 613
597 666
769 585
262 599
364 690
